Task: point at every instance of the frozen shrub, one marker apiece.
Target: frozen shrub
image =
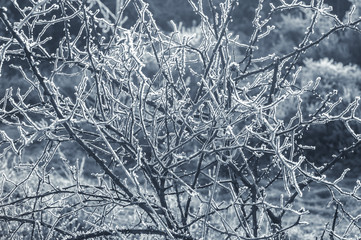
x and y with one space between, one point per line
291 26
334 77
127 131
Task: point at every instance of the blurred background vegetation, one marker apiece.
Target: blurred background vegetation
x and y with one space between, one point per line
337 60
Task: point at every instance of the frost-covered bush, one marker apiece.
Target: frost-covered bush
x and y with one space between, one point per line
123 130
343 46
334 77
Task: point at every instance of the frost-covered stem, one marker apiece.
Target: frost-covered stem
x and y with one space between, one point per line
327 167
91 59
334 223
214 52
135 232
211 196
295 52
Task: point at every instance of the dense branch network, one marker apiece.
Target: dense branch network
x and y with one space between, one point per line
171 131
